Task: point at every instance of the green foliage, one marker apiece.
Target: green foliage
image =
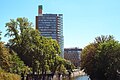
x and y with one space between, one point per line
4 57
23 38
8 76
69 66
87 59
60 63
102 38
9 61
17 65
36 51
64 66
101 59
108 59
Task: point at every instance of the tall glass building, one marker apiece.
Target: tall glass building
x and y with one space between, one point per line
51 25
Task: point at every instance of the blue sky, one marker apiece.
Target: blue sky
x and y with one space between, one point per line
83 20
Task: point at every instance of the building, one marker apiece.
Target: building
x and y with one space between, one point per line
51 26
73 55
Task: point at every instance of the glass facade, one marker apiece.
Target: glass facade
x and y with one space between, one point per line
51 25
47 25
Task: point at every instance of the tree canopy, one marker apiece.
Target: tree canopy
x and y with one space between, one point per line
38 52
101 59
9 61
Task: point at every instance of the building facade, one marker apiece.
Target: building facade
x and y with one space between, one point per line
51 26
73 55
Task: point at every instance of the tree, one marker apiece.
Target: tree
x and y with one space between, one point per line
101 59
4 57
8 76
88 60
17 65
36 51
24 39
17 29
102 39
9 61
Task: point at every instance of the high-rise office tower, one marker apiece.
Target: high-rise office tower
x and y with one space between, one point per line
51 25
